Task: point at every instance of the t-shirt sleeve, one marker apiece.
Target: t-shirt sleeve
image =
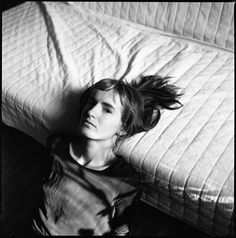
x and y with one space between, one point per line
56 142
125 205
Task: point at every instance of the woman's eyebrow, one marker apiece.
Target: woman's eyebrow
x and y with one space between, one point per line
108 105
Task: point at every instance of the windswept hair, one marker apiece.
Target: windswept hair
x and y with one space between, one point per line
142 101
157 93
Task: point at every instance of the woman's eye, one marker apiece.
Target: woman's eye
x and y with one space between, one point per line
107 110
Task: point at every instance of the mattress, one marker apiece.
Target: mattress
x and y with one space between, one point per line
208 22
52 51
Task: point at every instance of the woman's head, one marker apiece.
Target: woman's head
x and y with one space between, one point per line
138 103
115 103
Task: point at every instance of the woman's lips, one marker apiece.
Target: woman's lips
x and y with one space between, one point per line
90 123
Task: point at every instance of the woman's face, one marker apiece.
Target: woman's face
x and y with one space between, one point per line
101 116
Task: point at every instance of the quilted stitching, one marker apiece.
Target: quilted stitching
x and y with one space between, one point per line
202 21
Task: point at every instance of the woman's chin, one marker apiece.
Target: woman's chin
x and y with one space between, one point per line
87 133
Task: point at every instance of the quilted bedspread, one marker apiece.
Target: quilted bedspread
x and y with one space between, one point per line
51 51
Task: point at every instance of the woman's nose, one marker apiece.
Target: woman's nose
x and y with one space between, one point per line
93 111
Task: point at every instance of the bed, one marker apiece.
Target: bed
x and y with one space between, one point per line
52 51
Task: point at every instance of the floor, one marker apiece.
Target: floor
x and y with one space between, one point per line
23 161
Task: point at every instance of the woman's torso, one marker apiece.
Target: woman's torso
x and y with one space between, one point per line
78 200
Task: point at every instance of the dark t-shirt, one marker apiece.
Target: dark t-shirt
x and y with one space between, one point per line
82 201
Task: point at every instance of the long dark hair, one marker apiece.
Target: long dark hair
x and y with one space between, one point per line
142 101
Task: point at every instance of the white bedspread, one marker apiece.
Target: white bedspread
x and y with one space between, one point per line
52 50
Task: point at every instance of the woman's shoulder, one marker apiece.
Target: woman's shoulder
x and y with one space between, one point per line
125 172
124 166
58 140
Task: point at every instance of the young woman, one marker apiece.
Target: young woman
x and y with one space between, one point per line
91 190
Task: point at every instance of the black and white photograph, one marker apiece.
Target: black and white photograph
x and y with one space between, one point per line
117 119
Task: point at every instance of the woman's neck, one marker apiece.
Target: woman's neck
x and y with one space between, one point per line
93 153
